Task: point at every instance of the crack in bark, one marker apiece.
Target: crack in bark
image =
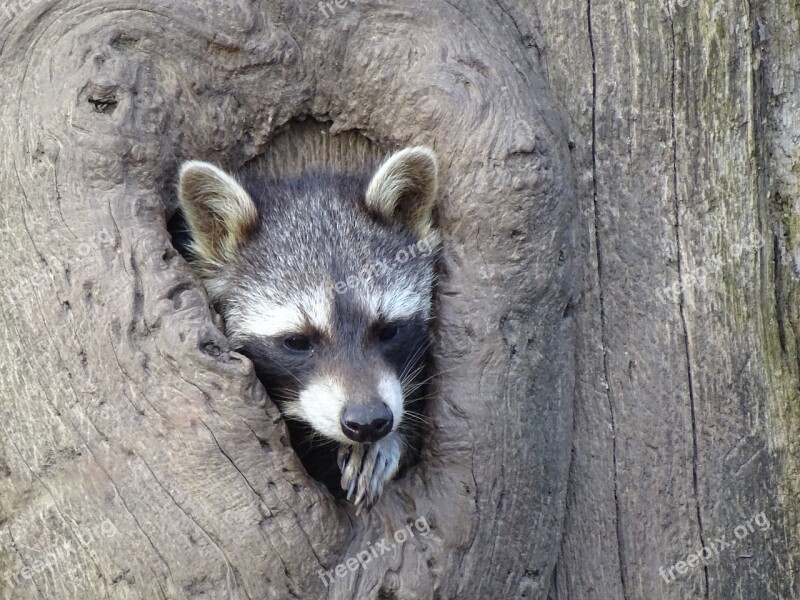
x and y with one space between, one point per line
599 258
682 301
52 496
10 534
258 495
481 31
57 192
76 431
163 559
235 571
780 307
193 520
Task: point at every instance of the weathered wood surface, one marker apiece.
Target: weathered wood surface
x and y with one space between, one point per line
684 116
129 432
141 459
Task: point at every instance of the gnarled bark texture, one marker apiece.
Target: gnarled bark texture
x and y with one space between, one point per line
142 459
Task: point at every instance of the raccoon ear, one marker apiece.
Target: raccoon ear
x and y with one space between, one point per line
218 210
405 188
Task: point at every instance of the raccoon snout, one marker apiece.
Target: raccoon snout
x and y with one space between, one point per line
367 422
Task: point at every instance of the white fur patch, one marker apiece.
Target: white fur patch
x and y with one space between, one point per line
320 405
390 391
257 315
270 320
399 302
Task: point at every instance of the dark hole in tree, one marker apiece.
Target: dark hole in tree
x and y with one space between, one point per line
317 455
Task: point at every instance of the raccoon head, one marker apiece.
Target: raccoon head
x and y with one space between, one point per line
324 281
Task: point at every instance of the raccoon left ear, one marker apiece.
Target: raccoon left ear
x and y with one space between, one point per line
217 208
405 188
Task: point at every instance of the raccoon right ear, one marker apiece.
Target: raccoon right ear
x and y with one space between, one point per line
217 209
405 187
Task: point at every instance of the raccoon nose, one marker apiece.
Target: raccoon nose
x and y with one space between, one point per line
366 422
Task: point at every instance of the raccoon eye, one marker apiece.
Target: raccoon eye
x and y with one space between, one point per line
298 343
388 332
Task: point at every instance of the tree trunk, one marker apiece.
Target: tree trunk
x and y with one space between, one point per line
133 435
684 118
143 458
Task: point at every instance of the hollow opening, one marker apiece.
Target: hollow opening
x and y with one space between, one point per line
312 159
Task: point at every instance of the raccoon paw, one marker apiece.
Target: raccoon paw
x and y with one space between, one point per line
366 469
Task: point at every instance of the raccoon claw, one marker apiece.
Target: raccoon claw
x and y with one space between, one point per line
366 469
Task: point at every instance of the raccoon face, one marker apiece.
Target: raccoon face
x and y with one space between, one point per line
348 386
324 282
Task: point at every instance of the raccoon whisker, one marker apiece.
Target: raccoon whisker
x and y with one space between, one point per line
434 375
283 393
416 418
290 412
415 358
287 371
424 399
443 371
409 378
413 361
411 389
427 396
410 385
283 396
314 438
410 382
408 445
411 371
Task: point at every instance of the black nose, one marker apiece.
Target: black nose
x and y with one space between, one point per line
367 422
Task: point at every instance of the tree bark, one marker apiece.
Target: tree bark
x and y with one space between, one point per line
684 117
642 152
142 457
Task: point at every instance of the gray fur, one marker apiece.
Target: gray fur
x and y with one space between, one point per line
326 257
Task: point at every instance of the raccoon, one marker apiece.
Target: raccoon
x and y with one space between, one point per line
324 280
